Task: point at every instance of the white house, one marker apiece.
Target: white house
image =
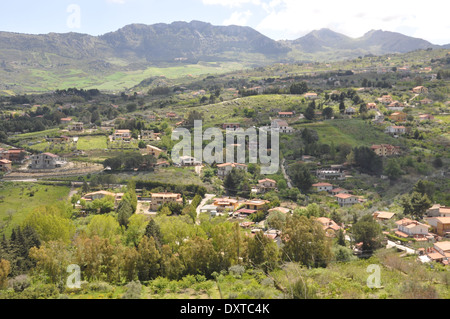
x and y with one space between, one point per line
281 126
189 161
47 161
411 228
346 199
323 187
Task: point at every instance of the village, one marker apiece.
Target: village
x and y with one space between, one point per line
352 154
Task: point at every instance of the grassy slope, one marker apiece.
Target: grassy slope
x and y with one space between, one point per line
18 203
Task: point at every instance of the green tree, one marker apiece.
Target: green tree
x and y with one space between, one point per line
328 113
305 242
299 88
393 169
301 177
262 252
136 229
310 113
416 205
367 231
103 226
149 259
51 224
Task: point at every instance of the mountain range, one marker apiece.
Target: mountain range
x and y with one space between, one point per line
26 57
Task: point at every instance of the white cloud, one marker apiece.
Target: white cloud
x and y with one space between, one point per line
238 18
231 3
292 19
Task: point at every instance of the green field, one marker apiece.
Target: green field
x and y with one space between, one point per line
354 132
88 143
17 200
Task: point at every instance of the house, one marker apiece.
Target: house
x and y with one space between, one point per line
224 169
163 164
311 96
76 127
256 204
337 191
153 150
323 187
420 90
443 226
333 174
443 247
15 155
396 106
383 216
189 161
171 115
426 117
47 161
346 199
398 116
286 114
147 135
266 185
211 209
438 211
386 99
350 111
329 226
229 204
243 212
396 130
102 194
281 126
426 101
371 106
231 126
5 165
385 150
159 199
122 135
66 120
411 228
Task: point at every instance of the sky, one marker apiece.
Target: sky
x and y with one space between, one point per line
277 19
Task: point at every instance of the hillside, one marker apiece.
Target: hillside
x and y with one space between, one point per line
121 59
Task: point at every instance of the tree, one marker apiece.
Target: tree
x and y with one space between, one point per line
299 88
194 116
149 259
305 242
52 260
103 226
124 212
416 205
51 224
136 229
367 231
301 177
393 169
262 252
328 112
342 106
310 113
5 268
425 188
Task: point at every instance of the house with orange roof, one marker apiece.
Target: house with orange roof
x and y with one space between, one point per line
5 165
383 216
330 227
398 116
224 169
266 185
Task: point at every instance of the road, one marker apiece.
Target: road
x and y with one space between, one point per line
203 203
409 251
286 176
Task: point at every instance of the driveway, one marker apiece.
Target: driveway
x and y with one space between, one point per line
203 203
